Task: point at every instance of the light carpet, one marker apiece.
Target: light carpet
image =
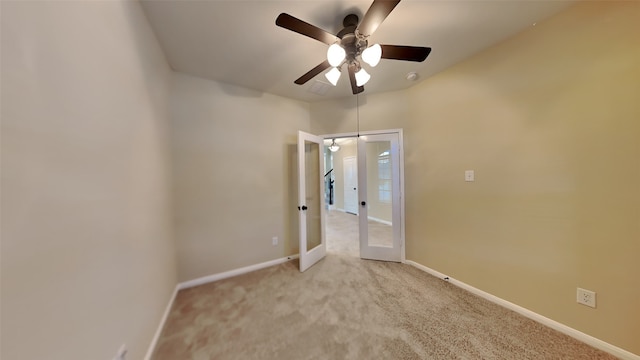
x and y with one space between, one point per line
347 308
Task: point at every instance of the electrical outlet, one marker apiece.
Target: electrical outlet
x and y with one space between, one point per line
274 240
586 297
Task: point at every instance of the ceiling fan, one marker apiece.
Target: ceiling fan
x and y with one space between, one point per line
351 45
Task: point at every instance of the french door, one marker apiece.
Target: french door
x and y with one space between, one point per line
379 195
311 199
379 170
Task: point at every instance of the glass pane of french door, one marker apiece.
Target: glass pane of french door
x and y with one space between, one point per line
313 201
379 191
379 195
310 199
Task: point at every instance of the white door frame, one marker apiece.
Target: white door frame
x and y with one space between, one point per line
401 155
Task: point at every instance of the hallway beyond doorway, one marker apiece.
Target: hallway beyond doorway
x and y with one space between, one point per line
342 234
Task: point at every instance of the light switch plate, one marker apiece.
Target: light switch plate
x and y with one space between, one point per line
469 175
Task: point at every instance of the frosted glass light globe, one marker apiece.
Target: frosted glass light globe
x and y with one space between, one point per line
362 77
372 55
335 55
333 76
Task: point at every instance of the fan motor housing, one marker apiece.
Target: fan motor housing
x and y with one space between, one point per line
352 44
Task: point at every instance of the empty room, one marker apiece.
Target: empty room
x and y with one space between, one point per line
331 179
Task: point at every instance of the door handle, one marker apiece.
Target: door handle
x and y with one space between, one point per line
363 203
304 207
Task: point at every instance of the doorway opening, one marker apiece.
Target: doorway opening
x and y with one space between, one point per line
341 197
362 195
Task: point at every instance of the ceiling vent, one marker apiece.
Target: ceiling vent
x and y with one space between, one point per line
319 88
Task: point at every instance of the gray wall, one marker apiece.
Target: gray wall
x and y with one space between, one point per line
234 172
88 260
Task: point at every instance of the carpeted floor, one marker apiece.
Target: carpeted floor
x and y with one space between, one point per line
347 308
342 233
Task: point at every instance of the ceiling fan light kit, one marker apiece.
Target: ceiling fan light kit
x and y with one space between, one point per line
351 45
362 77
333 76
336 55
372 55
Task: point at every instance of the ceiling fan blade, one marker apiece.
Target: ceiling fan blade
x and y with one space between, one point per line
294 24
378 11
407 53
313 72
352 77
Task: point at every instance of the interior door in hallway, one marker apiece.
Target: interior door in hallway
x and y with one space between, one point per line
310 199
379 195
350 185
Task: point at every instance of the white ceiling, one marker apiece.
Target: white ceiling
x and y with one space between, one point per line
237 42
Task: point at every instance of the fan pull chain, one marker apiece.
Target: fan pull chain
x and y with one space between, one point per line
358 114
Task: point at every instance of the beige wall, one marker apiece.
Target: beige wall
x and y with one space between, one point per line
549 122
377 112
87 252
234 175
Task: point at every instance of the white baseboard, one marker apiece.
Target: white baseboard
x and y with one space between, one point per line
231 273
588 339
156 336
202 281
